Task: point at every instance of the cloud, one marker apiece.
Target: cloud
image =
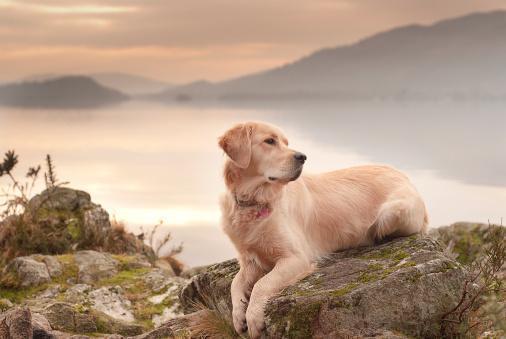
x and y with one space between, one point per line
64 8
291 28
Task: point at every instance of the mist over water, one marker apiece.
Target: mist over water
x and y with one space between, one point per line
149 162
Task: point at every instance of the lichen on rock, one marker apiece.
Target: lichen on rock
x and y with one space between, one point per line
401 287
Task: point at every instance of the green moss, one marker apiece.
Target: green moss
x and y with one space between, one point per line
74 229
413 276
374 267
344 290
125 261
368 277
408 264
124 277
295 323
69 268
398 256
18 295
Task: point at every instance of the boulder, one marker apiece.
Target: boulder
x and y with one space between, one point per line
28 271
60 198
16 324
41 327
110 300
93 266
61 316
396 289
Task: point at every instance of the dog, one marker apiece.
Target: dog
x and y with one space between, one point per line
282 222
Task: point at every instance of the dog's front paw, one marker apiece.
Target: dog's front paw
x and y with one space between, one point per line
255 321
239 319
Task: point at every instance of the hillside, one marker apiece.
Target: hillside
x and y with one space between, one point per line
458 58
63 92
130 84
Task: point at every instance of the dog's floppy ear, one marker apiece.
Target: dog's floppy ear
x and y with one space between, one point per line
236 142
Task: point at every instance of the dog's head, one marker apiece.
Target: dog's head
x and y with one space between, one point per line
261 150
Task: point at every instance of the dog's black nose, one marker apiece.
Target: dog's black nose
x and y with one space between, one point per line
300 157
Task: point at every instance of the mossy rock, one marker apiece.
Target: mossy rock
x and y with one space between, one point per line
398 289
465 239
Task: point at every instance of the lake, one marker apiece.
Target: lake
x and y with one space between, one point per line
147 162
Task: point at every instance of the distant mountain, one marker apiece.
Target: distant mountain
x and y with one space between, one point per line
130 84
63 92
458 58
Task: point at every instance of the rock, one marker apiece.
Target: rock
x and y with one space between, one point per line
97 220
107 324
50 292
175 328
61 316
157 279
110 300
52 264
5 304
41 327
84 323
16 324
64 317
401 287
28 271
94 266
60 198
193 271
77 294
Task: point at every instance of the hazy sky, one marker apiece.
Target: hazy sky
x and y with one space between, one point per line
180 41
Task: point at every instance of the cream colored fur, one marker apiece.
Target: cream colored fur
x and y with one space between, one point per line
281 226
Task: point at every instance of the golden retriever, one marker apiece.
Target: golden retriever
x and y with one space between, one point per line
281 222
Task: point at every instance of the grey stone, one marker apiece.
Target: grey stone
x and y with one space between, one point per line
61 316
77 294
402 287
110 300
54 267
157 279
193 271
41 327
16 324
29 272
93 266
61 198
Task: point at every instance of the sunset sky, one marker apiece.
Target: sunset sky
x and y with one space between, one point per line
181 41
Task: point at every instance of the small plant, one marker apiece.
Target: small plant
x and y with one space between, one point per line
158 244
482 286
17 195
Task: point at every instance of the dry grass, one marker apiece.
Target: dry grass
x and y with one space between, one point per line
208 323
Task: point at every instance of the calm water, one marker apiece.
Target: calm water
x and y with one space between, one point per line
147 162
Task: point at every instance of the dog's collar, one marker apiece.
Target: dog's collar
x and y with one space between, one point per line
263 210
246 203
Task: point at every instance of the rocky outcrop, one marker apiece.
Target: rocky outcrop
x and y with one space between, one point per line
92 292
62 220
397 289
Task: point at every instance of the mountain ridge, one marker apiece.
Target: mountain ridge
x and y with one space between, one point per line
409 62
61 93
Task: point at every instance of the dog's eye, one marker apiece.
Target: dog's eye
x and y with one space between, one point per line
270 141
